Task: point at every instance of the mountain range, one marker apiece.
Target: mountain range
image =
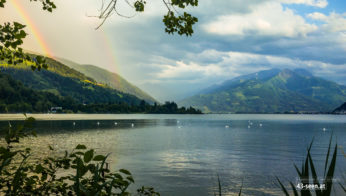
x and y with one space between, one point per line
270 91
64 81
111 79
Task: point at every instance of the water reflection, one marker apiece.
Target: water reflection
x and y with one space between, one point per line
68 126
182 155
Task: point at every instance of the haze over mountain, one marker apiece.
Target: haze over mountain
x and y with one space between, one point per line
113 80
271 91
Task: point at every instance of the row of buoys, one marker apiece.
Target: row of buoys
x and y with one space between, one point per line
98 124
249 125
260 124
226 126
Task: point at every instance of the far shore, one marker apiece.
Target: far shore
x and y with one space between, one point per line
138 116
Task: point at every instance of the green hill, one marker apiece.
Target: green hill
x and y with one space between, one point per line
15 97
63 81
111 79
271 91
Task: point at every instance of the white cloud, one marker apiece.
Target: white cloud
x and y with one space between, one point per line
317 16
269 19
232 64
188 71
315 3
334 22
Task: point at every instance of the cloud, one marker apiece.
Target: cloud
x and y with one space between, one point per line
188 71
314 3
192 74
334 22
231 64
232 38
269 19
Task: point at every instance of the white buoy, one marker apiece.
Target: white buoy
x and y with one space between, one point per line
248 126
132 125
260 124
115 123
179 127
226 126
324 129
177 121
74 123
98 123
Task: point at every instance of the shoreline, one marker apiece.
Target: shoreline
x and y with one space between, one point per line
141 116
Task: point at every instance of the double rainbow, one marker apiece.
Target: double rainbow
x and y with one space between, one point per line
45 50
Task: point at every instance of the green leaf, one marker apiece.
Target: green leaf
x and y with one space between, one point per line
77 153
327 156
139 5
282 187
241 187
343 188
39 168
124 171
80 147
130 179
295 192
99 158
88 156
314 174
329 178
219 185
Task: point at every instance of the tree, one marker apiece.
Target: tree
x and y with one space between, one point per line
80 172
11 37
12 34
173 20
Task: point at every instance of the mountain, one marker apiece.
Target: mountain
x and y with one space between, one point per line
111 79
270 91
15 97
64 81
341 109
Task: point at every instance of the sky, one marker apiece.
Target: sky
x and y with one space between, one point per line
232 38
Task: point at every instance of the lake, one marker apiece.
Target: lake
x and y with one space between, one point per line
184 154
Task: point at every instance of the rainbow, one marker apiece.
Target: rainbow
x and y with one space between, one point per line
106 39
110 51
32 27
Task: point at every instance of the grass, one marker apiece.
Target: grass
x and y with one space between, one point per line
220 187
308 173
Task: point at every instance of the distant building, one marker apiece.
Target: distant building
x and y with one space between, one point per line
55 109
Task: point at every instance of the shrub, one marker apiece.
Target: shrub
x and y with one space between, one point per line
88 173
308 176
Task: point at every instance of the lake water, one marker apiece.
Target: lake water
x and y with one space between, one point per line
183 154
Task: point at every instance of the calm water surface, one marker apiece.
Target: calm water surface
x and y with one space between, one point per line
183 154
